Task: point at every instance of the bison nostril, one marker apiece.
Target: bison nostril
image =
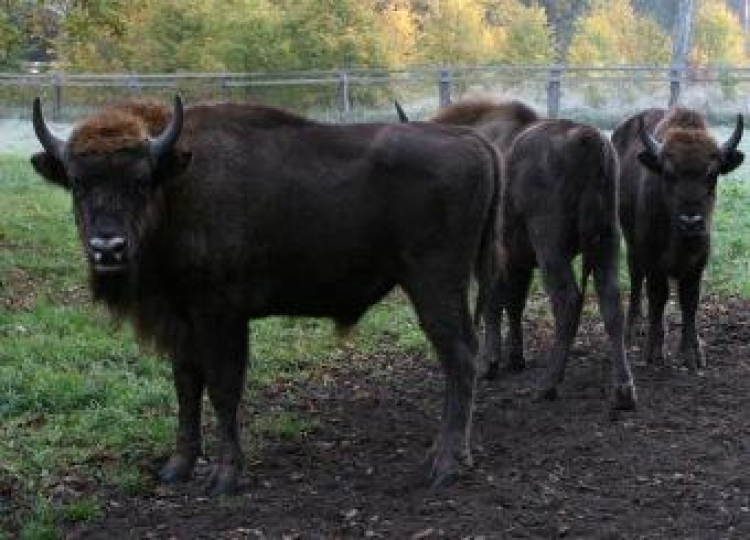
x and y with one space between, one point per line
114 244
691 222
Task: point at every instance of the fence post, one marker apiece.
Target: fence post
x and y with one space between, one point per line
57 96
224 89
445 87
554 91
133 84
344 104
676 74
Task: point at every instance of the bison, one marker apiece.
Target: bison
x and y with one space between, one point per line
670 165
196 221
559 200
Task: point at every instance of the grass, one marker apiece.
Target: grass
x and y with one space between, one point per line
78 398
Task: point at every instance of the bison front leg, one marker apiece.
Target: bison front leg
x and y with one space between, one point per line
225 379
658 292
444 316
690 345
189 383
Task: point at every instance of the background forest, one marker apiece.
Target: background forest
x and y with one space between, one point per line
277 35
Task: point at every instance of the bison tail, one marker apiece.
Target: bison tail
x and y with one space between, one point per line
489 257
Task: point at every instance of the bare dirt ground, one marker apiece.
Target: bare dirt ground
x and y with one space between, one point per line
678 467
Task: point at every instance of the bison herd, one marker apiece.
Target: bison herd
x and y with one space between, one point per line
195 221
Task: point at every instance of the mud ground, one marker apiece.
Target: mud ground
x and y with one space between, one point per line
678 467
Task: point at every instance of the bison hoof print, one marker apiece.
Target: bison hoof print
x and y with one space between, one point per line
547 393
492 372
516 362
624 398
694 358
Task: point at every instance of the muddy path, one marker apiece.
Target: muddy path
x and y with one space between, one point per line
678 467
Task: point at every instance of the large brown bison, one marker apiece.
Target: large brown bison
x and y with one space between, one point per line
670 165
195 222
559 200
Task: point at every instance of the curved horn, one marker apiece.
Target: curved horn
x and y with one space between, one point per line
161 144
400 111
731 144
52 145
651 144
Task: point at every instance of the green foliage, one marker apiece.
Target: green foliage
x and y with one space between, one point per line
282 35
11 41
524 37
718 36
606 36
326 34
454 32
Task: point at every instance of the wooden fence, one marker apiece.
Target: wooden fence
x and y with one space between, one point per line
347 95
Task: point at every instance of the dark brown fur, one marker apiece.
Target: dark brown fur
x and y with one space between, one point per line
658 194
498 122
558 200
256 212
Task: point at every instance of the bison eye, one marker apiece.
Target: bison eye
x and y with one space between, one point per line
143 185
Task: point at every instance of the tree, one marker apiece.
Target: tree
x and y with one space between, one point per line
455 32
718 36
563 17
247 40
524 36
11 41
606 37
399 23
328 34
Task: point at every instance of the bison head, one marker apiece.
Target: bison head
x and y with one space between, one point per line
113 167
688 162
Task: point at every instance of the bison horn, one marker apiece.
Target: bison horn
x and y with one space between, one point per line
651 144
731 144
52 145
401 114
163 143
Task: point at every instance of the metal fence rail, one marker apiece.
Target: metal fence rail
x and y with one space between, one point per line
366 94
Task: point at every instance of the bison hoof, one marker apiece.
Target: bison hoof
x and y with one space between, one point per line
547 393
223 480
516 362
694 358
624 397
445 464
493 370
179 468
654 357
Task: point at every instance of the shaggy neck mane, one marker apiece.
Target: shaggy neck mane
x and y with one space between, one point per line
472 113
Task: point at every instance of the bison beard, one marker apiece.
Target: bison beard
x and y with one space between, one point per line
255 212
558 200
667 196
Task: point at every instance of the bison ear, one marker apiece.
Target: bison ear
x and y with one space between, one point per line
650 161
173 163
732 161
50 168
